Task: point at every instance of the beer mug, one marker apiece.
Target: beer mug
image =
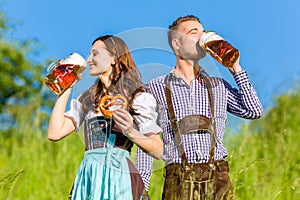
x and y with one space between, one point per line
219 49
62 74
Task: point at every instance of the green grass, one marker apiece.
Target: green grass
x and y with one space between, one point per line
264 159
36 168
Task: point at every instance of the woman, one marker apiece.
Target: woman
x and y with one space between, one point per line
106 171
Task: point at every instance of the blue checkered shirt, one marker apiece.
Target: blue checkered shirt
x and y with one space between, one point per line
193 100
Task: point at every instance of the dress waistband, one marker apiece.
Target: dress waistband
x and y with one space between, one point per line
114 139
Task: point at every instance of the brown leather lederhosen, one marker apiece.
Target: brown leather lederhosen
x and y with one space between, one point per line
199 180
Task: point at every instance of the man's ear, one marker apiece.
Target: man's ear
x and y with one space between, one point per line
175 44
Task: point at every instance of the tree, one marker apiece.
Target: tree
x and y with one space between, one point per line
20 78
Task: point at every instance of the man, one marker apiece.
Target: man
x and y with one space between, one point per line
192 114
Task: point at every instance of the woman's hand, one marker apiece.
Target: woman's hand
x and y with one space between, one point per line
124 121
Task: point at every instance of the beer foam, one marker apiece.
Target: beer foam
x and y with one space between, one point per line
75 58
209 36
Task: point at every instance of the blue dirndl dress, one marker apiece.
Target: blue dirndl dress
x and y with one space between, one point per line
106 171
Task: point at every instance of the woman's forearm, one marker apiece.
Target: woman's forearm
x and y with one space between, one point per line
151 144
59 125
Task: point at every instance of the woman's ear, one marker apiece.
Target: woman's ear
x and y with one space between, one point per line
113 62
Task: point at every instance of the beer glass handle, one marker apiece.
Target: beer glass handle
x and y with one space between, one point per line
52 66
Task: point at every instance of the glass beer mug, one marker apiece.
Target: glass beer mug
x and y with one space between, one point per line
62 74
219 49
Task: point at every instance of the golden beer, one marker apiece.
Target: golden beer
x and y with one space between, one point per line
62 75
219 48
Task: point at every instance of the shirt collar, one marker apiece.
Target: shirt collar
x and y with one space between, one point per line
179 77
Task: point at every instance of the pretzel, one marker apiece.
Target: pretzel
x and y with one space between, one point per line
109 103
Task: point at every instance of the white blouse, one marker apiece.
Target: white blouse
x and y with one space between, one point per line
143 103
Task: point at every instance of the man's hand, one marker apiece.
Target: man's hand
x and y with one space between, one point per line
236 67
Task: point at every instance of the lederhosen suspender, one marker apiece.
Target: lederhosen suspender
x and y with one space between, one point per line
175 124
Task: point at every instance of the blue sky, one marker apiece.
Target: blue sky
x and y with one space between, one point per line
266 32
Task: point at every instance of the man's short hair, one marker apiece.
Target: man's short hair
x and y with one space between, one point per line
174 26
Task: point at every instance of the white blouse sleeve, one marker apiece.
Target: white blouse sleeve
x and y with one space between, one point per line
75 114
145 105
